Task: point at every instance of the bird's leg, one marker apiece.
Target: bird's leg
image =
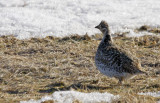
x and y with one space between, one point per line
120 81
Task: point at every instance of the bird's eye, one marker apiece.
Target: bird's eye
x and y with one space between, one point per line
102 26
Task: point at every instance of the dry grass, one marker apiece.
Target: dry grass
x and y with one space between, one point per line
155 30
37 67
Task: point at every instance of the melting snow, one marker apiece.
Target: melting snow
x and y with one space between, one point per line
154 94
70 96
40 18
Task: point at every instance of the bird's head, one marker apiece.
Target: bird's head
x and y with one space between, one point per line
103 27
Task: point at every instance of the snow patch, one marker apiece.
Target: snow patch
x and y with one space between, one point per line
39 18
154 94
70 96
12 3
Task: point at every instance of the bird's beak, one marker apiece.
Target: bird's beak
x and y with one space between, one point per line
97 27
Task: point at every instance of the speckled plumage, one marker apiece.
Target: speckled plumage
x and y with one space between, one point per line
113 61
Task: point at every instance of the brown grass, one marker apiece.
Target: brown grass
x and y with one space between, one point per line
30 69
155 30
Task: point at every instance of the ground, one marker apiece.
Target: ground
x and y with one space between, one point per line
30 69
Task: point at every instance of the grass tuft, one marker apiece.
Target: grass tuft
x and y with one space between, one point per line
154 30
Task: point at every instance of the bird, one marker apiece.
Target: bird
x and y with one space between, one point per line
113 61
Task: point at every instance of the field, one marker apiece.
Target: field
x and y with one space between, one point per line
30 69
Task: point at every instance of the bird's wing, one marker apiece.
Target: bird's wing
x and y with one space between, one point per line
121 59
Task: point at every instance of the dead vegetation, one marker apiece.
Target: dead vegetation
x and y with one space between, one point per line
30 69
147 28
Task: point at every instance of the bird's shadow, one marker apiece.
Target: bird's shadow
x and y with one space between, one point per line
77 86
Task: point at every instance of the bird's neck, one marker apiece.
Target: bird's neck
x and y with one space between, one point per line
107 39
